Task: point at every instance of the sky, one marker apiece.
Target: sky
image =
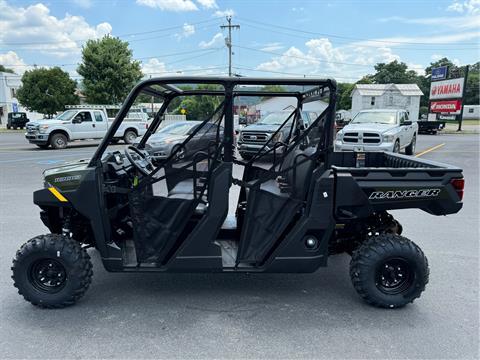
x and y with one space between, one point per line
342 39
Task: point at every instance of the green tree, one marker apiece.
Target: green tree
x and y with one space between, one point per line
344 101
199 107
394 73
271 88
47 90
108 70
472 90
6 70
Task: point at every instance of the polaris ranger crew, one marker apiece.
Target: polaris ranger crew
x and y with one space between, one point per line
144 214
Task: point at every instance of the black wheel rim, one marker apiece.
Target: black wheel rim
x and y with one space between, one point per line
394 276
48 275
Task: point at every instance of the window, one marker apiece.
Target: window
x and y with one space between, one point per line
84 116
402 118
406 116
390 100
470 111
372 101
98 116
13 92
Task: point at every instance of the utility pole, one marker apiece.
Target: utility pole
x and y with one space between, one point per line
228 41
465 78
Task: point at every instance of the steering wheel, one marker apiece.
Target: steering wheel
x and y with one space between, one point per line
142 163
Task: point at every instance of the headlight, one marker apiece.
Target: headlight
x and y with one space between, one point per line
388 138
278 137
42 128
339 135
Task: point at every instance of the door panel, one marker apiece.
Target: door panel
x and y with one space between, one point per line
86 128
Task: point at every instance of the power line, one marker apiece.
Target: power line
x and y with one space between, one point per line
228 41
304 57
346 37
289 73
362 45
119 36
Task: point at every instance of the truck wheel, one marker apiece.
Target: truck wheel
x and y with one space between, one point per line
396 147
389 271
8 127
58 141
129 136
410 149
52 271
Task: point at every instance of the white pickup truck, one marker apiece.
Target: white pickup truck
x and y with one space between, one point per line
379 130
80 124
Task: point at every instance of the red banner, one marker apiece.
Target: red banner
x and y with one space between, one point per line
446 106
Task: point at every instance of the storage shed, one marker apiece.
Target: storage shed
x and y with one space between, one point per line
387 96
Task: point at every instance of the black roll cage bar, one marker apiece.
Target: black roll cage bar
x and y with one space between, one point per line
322 89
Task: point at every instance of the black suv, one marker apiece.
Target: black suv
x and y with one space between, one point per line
253 137
17 120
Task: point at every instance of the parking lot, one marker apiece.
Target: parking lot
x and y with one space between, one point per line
316 315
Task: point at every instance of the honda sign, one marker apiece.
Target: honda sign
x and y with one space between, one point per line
451 107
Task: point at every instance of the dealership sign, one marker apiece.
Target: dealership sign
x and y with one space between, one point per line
447 89
446 106
439 73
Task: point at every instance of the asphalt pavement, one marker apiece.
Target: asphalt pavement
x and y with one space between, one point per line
315 315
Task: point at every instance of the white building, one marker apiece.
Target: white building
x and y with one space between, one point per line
9 84
385 96
471 111
288 103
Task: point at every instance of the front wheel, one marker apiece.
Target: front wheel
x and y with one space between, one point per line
52 271
396 147
410 149
389 271
58 141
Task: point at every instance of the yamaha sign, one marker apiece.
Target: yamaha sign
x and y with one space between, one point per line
447 89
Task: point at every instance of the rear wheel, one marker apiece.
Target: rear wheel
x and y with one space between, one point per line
389 271
410 149
129 136
58 141
52 271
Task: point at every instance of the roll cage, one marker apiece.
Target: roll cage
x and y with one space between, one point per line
167 88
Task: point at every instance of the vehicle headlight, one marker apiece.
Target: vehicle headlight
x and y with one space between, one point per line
42 128
388 138
339 136
278 137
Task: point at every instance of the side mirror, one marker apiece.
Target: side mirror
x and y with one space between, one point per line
76 121
407 123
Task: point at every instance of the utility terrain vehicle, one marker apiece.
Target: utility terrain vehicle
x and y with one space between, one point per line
144 214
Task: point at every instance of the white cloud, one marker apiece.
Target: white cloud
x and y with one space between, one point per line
34 28
83 3
12 61
272 46
154 67
418 68
170 5
321 58
187 31
468 6
224 13
208 4
216 40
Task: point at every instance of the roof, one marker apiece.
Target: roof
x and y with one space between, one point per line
380 89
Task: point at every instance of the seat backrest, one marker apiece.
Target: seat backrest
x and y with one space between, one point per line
301 169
